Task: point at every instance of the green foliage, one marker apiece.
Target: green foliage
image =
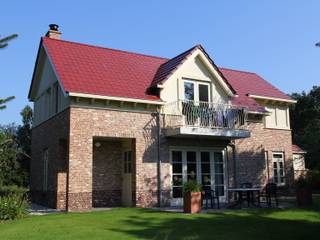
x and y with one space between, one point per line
15 151
4 41
305 123
3 101
13 202
191 186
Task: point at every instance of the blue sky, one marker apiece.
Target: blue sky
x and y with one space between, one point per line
272 38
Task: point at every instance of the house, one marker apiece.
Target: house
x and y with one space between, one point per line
115 128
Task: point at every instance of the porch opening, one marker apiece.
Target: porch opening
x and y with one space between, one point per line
112 172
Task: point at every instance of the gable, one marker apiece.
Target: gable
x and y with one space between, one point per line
44 76
194 69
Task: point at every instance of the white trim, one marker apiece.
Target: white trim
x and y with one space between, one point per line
272 98
207 64
198 150
278 168
85 95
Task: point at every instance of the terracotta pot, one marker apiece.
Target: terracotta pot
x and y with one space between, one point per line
192 202
304 196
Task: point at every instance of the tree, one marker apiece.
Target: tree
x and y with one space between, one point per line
24 142
4 41
305 123
4 101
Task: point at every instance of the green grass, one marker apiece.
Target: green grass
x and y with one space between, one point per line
135 223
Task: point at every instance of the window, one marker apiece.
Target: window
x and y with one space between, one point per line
196 91
45 169
177 174
206 167
127 168
278 168
278 117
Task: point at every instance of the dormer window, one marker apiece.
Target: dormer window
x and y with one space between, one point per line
196 91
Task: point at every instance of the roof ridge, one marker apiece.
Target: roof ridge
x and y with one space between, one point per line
111 49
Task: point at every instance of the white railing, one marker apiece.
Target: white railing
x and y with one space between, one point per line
205 114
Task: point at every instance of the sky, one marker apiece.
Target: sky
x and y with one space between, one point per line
273 38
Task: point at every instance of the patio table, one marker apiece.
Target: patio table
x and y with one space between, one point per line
249 192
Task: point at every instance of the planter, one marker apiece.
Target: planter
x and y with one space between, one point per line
304 196
192 202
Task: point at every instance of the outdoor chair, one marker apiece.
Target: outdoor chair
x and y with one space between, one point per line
212 196
270 194
249 196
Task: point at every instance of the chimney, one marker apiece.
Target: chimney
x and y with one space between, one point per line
53 32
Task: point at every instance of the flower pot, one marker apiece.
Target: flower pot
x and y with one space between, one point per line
304 196
192 202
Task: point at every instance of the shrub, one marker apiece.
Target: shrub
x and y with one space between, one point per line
13 202
191 186
303 182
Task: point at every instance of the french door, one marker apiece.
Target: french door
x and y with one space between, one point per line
206 166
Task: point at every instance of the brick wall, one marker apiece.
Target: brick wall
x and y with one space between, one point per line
51 134
251 162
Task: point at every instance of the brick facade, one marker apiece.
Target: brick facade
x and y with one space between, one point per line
53 135
94 177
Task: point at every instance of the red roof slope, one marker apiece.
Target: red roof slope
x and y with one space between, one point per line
250 83
102 71
297 149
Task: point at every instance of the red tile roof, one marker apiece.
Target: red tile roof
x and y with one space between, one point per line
102 71
250 83
108 72
297 149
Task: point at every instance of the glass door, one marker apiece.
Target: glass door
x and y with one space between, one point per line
207 167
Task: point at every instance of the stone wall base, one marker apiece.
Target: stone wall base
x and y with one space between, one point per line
106 198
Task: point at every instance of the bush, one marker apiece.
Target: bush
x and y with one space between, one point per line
303 182
191 186
13 202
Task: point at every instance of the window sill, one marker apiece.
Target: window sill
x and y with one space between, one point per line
278 128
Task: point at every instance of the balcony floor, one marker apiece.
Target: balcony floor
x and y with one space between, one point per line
186 131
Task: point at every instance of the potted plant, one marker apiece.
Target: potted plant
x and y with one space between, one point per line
304 191
191 197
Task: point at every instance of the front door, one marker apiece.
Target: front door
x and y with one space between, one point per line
126 179
206 166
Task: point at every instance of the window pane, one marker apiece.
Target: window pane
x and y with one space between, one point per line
191 157
277 155
189 91
177 192
206 179
219 179
218 168
275 165
176 156
203 93
192 177
205 157
205 168
218 157
176 168
177 180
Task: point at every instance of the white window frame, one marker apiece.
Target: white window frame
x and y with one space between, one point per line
276 110
278 161
45 169
196 89
198 150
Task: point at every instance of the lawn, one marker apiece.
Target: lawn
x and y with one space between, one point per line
135 223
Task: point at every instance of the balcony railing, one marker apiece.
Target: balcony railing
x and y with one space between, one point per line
205 114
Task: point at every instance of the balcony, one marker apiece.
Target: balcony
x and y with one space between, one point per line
191 118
